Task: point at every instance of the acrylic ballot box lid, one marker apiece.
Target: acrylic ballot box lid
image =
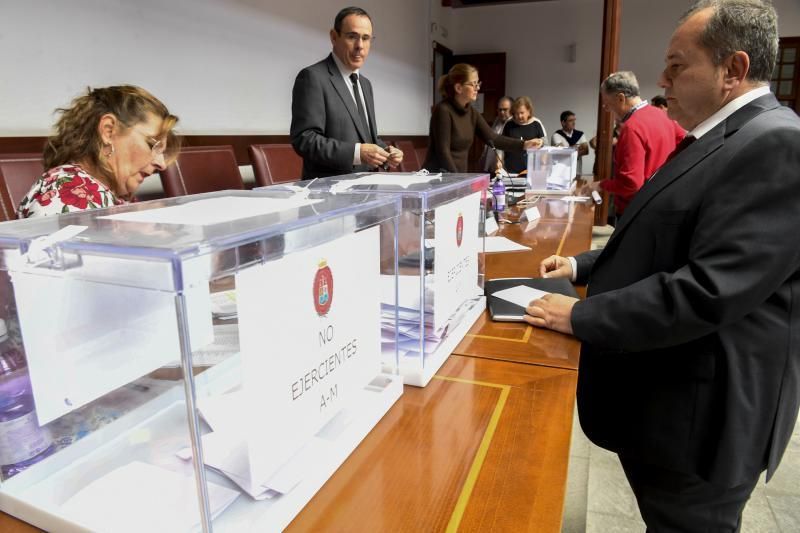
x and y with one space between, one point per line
424 192
195 362
440 275
217 225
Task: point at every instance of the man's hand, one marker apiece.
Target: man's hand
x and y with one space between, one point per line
395 156
591 186
373 155
552 311
555 266
583 149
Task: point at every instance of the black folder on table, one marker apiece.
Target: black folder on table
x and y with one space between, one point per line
504 311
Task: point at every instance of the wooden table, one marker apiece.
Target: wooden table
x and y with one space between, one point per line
485 446
564 229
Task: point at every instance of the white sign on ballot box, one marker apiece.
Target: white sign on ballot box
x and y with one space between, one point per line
457 246
309 327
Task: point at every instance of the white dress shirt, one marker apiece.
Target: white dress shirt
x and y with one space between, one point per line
345 72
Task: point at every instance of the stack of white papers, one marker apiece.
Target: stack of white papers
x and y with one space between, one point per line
408 331
234 447
411 337
141 497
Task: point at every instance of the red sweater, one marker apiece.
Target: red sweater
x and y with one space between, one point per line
645 140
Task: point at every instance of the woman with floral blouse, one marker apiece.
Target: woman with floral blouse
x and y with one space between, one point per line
106 143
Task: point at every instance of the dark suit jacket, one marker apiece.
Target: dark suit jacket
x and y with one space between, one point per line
691 328
325 122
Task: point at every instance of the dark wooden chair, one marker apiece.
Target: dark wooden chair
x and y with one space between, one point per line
18 172
201 169
275 163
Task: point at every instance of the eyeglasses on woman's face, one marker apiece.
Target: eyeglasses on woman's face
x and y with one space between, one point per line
157 146
474 84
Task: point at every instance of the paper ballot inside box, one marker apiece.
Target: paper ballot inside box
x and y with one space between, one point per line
552 169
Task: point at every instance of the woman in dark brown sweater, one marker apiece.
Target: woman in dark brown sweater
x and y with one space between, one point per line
455 123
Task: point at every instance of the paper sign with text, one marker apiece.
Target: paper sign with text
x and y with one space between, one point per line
309 328
457 247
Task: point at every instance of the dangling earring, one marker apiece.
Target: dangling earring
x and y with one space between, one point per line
111 150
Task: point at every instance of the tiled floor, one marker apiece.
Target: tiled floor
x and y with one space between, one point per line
599 499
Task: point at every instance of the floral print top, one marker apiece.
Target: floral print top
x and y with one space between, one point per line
65 189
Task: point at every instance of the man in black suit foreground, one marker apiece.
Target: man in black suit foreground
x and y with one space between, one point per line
690 362
333 110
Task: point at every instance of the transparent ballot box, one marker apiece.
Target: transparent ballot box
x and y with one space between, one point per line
440 245
552 170
197 363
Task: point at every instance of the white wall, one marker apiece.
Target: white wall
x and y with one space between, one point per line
227 66
642 46
223 66
536 37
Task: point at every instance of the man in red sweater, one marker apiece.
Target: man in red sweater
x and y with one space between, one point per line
646 137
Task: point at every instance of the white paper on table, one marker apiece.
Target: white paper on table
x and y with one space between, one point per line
532 213
503 244
402 179
490 226
213 210
141 497
521 295
575 198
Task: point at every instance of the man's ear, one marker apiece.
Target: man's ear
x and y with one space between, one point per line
333 35
736 68
107 127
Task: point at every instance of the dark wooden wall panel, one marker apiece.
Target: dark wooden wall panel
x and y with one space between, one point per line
12 145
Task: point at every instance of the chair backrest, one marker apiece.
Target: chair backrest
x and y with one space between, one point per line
411 162
275 163
18 172
201 169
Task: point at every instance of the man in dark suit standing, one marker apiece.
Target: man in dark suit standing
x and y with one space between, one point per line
690 365
333 111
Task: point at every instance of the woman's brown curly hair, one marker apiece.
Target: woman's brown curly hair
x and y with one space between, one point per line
77 137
